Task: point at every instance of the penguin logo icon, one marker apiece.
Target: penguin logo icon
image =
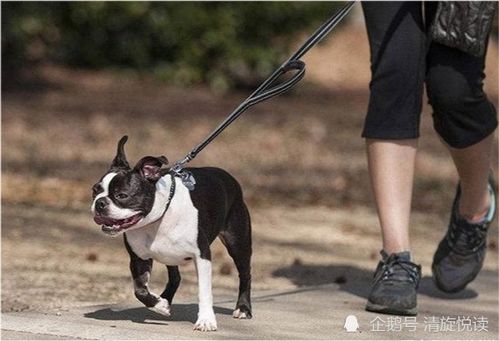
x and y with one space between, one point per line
351 324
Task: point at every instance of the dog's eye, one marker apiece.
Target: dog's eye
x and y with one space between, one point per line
121 196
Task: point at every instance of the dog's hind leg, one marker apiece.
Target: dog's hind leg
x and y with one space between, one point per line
173 283
237 239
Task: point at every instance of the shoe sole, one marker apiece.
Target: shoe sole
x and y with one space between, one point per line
378 308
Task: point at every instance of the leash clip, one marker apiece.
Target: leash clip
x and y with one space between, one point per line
184 175
188 180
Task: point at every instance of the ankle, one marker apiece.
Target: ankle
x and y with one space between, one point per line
392 245
404 254
474 218
474 213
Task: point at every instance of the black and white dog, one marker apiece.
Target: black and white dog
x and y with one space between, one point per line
162 220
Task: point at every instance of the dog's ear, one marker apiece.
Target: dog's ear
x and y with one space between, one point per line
150 167
120 161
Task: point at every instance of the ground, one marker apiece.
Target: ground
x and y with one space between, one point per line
299 159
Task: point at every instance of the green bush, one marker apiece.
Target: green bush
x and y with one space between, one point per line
220 43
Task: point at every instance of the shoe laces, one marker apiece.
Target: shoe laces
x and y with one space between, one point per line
399 269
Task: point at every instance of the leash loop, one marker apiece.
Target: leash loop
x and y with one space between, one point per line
296 65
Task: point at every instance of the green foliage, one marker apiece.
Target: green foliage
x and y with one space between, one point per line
220 43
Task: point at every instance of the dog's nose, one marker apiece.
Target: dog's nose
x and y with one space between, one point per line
101 204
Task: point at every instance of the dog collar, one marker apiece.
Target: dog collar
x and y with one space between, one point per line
170 197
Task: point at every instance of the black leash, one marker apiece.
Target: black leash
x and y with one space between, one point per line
264 91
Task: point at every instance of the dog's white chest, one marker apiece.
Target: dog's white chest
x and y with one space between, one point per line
173 239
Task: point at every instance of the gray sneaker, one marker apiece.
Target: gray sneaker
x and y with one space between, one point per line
394 287
459 256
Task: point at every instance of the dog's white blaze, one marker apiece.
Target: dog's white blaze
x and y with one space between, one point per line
173 238
106 180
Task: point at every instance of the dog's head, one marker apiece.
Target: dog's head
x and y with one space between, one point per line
125 196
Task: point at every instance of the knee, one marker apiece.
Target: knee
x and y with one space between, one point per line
462 114
448 92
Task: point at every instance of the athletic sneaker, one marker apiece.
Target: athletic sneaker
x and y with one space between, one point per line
459 256
394 286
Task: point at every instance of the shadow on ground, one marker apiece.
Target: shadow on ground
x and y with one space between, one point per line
181 312
355 280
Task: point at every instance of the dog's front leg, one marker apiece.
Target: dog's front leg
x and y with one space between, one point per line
141 272
206 316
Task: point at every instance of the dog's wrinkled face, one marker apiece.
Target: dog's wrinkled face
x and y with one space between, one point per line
125 195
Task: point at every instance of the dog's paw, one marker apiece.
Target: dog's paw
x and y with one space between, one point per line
206 323
162 307
241 314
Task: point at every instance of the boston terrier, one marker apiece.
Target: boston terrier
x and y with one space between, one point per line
162 220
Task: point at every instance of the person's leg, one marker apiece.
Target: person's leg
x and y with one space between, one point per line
391 167
397 42
465 120
473 166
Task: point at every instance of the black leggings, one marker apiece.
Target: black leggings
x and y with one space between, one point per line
402 60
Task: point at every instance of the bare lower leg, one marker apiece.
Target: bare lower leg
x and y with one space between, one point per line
473 166
391 167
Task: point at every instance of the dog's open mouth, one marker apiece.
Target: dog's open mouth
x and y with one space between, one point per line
113 226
